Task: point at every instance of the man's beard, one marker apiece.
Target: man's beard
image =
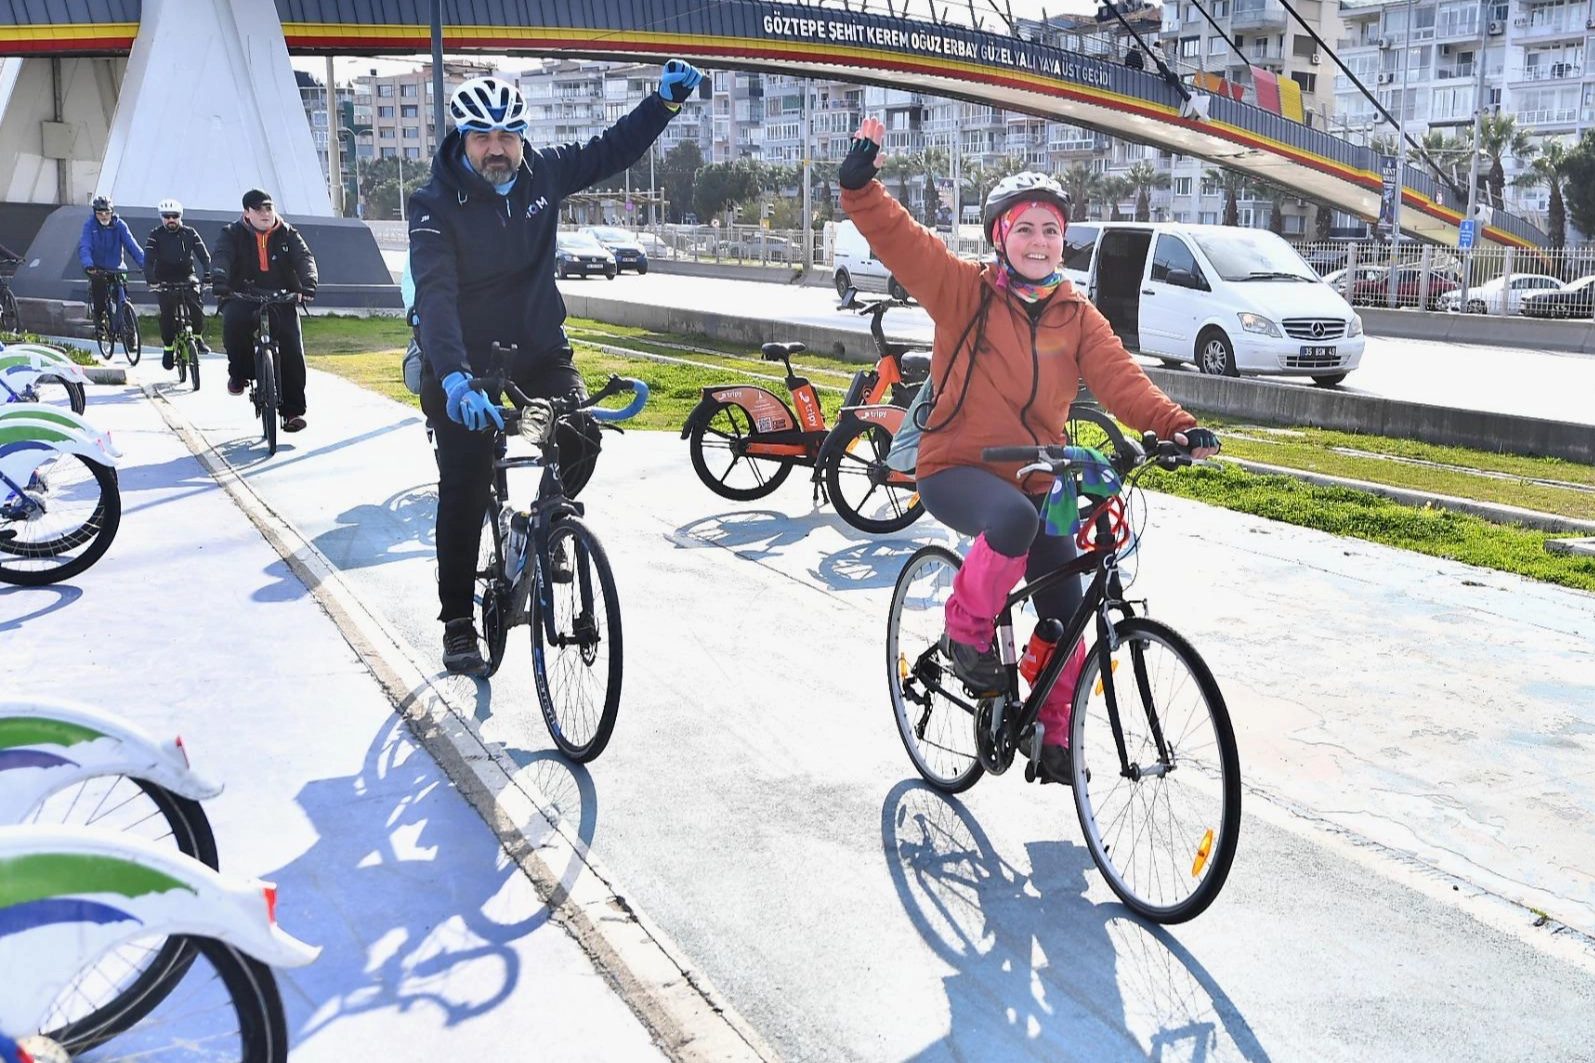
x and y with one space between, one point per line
497 170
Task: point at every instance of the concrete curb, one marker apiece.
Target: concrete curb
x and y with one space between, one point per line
688 1018
1539 334
1491 511
105 375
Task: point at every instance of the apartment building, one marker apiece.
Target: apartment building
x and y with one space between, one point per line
394 113
1533 57
313 96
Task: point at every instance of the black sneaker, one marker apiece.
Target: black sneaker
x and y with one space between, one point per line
1057 765
236 386
461 653
166 359
979 670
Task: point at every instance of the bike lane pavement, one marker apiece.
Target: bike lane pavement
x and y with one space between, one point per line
754 803
436 945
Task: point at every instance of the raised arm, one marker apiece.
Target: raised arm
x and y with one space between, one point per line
917 257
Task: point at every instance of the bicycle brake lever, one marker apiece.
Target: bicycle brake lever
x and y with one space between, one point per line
1037 466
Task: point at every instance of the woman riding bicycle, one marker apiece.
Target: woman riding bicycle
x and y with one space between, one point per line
1013 340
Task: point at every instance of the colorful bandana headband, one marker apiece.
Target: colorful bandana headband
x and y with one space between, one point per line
1008 277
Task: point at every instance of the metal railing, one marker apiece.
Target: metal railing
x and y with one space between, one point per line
1434 278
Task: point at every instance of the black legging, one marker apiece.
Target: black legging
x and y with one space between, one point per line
465 471
238 336
168 303
973 502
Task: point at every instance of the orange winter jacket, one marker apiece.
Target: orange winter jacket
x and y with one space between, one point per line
1026 372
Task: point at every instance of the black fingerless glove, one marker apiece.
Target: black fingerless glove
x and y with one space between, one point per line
858 169
1201 438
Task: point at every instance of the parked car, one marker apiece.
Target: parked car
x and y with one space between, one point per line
621 244
1503 295
761 247
1342 281
1577 299
1219 296
577 255
857 267
1375 291
653 246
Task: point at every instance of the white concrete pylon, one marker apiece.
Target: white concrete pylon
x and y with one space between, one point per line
209 109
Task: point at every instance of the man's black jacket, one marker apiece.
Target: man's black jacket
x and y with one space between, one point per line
265 261
169 256
483 263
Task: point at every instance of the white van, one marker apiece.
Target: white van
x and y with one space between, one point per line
857 267
1231 300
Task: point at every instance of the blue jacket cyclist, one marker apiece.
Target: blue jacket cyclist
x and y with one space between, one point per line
105 236
482 254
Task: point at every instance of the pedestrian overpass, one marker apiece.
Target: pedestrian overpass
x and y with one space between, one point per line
802 39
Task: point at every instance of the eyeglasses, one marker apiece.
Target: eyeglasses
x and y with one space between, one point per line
102 212
168 216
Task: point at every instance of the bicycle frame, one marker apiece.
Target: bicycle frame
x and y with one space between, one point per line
68 897
21 371
549 507
115 297
47 745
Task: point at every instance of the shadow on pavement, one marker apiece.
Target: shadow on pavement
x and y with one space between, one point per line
38 598
410 896
763 528
1040 970
402 527
757 534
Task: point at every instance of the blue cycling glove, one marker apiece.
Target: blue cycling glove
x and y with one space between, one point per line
467 405
679 79
1200 439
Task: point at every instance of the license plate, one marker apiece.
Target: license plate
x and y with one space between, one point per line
1318 351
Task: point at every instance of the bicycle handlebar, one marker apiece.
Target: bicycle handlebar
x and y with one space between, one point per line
1163 452
275 298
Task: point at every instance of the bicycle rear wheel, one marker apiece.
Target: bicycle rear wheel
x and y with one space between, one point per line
223 1005
119 987
492 597
105 335
193 361
132 343
578 671
54 391
715 447
74 512
938 733
1165 839
867 494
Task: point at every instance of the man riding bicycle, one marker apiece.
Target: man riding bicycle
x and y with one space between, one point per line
482 254
260 252
169 254
100 247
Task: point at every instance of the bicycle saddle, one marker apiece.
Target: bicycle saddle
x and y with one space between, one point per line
774 352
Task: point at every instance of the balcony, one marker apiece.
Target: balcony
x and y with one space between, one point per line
1529 28
1257 14
1451 29
1540 119
1456 72
1558 71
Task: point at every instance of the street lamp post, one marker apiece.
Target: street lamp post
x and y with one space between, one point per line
1407 37
354 151
1473 166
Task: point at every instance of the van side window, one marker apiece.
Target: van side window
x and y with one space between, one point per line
1078 241
1173 254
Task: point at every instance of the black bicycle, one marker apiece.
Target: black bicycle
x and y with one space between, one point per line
265 391
10 319
185 352
543 567
115 319
1156 776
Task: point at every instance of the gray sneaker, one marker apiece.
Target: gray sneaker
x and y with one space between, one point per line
979 670
1057 765
461 653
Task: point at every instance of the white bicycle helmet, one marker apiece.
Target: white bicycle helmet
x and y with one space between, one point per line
1021 188
169 206
487 103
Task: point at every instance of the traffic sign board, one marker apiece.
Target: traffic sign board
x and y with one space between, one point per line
1466 233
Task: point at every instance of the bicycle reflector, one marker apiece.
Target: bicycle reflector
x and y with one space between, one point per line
1203 851
268 890
1118 526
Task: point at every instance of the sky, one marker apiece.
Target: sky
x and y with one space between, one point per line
346 70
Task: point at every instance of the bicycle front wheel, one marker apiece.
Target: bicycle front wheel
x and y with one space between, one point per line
120 987
938 732
222 1005
577 659
1163 833
132 343
105 335
866 493
266 396
54 391
193 362
66 521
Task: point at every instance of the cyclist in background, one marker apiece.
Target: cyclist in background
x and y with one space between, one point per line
261 252
482 253
1013 340
169 254
105 236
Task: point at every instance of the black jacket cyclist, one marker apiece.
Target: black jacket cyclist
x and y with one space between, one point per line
170 251
482 255
261 252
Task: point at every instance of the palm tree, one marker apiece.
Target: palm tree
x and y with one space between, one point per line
935 163
1143 177
1550 168
1323 220
1115 190
1234 184
1083 185
1500 139
824 171
1449 153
